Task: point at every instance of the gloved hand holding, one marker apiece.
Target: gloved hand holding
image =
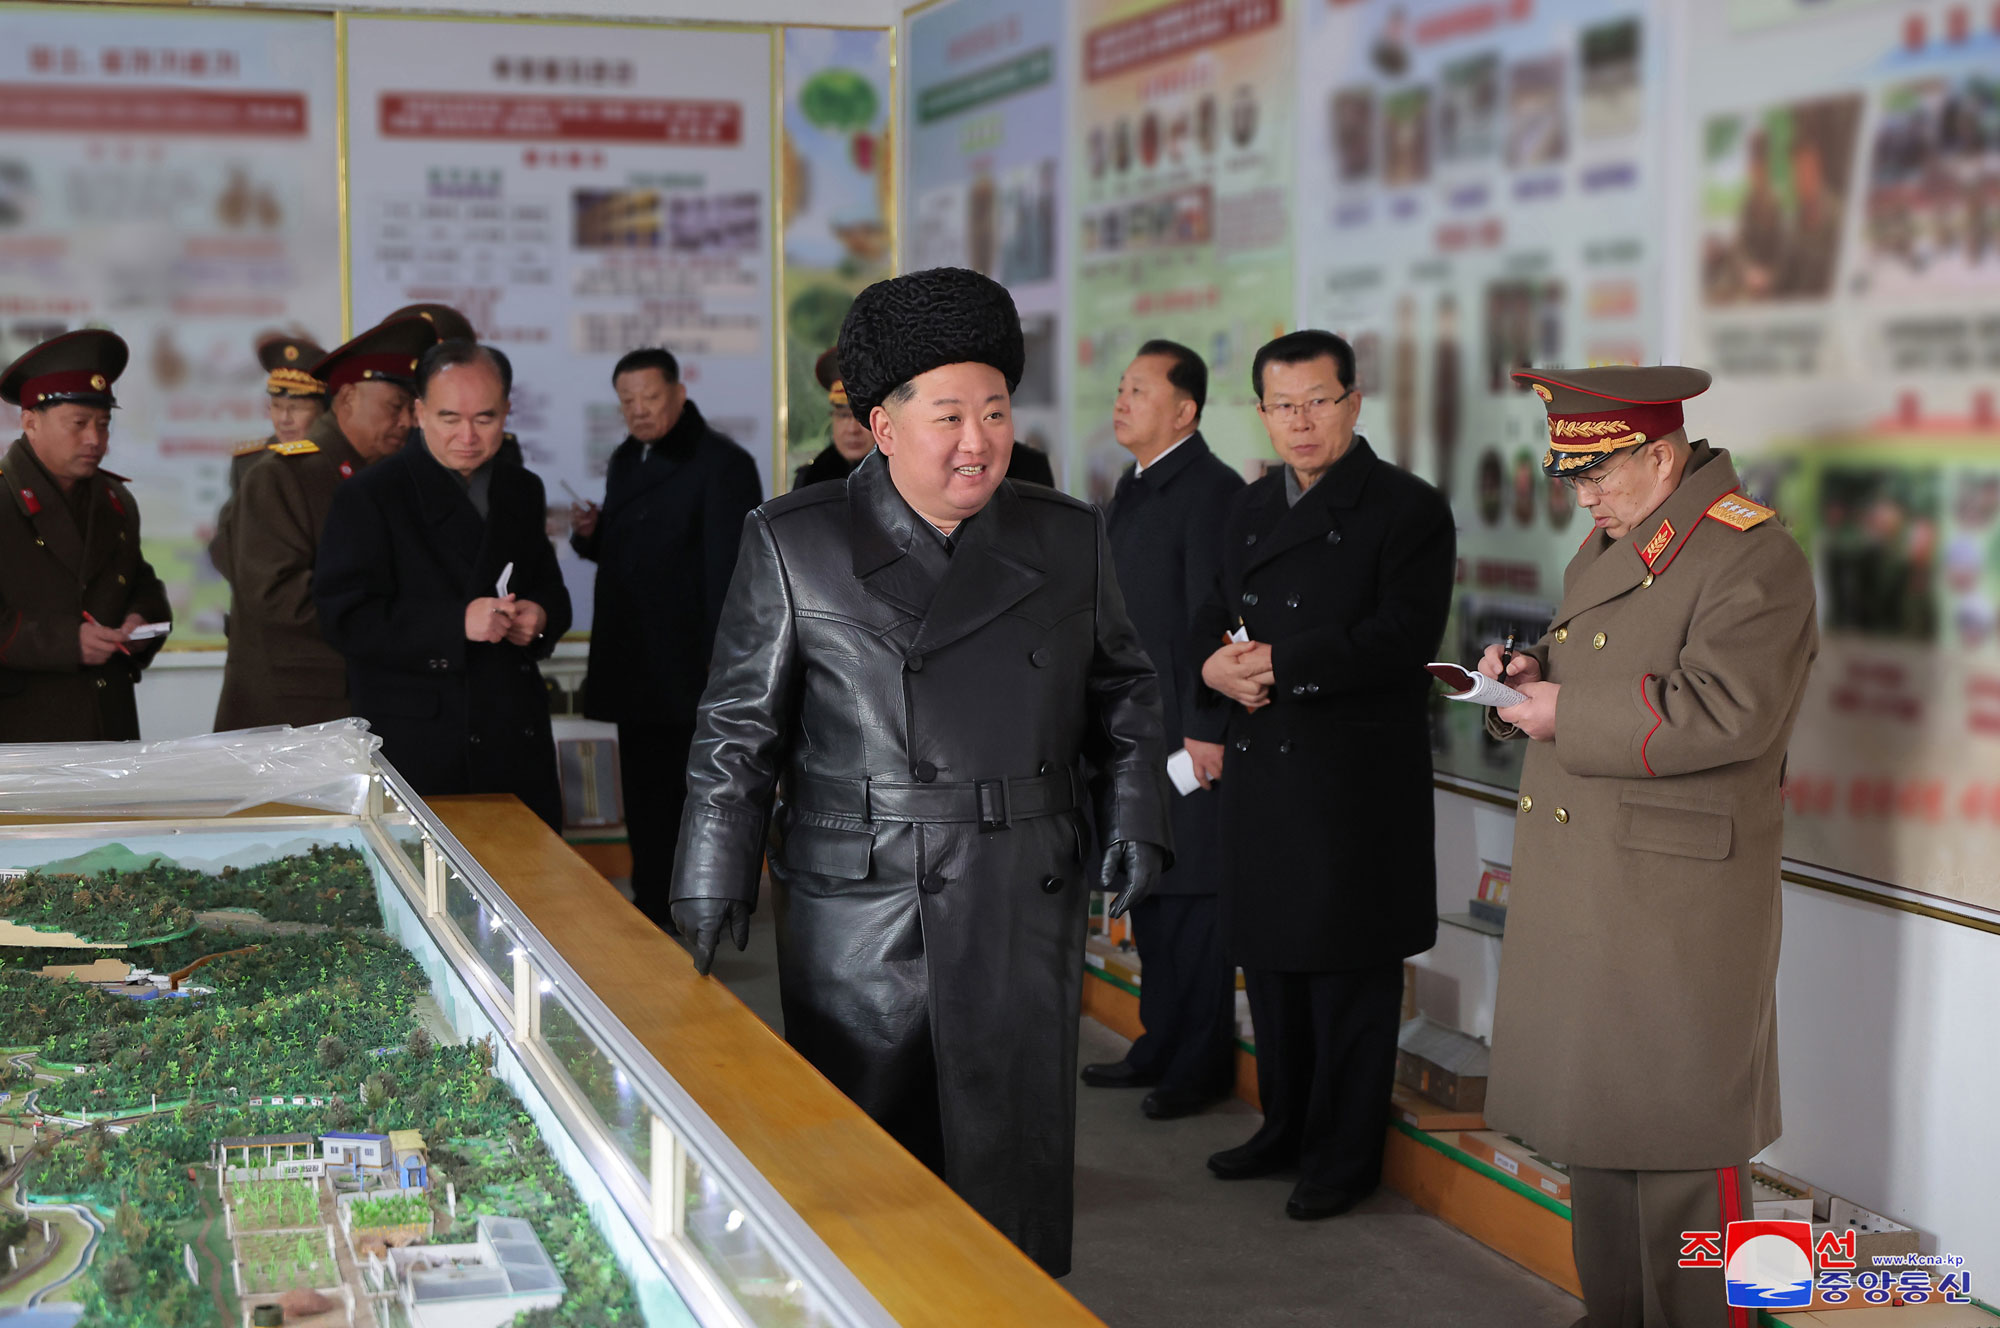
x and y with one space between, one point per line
702 921
1139 863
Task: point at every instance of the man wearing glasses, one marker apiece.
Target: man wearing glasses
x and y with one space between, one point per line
1336 574
1636 1032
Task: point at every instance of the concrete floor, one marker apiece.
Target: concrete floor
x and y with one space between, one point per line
1160 1243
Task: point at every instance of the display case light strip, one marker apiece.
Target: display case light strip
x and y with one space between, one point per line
796 1243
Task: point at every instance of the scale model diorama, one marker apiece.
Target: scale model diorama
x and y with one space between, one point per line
227 1097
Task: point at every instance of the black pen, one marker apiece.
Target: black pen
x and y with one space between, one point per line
1506 656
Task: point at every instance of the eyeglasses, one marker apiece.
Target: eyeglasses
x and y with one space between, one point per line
1596 482
1286 411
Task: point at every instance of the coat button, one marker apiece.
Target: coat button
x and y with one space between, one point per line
1562 635
1040 659
1285 747
101 682
1042 769
931 883
1250 597
1291 601
914 663
1527 803
1333 537
1312 689
473 739
1647 582
924 771
121 580
1242 744
527 731
39 542
1562 816
1298 689
1249 539
1597 642
1052 885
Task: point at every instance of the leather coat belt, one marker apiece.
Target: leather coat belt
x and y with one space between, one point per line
993 804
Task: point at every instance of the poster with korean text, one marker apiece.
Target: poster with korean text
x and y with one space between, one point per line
170 176
1181 164
985 191
578 191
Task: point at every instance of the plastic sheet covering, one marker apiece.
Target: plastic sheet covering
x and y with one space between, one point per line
324 767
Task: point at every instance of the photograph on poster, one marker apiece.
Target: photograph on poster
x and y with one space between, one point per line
1537 117
1406 136
1774 200
1878 538
1353 122
1612 82
1468 113
1933 203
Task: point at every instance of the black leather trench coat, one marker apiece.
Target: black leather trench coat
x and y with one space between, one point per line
403 552
1327 805
932 718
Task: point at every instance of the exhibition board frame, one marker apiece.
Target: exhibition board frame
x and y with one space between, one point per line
773 32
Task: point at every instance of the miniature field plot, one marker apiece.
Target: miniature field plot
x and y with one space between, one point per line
286 1261
275 1205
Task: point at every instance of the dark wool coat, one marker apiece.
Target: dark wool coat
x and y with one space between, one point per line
1166 539
403 553
1326 792
665 546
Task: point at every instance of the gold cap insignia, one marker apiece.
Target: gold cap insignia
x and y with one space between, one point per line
1543 392
291 352
97 383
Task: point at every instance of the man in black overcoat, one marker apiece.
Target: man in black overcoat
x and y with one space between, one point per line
937 664
1165 522
441 659
664 542
1338 568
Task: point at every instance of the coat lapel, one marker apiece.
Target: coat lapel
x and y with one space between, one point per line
1605 568
996 566
883 531
37 496
1316 515
1135 491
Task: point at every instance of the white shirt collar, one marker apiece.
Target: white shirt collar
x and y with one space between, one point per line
1138 470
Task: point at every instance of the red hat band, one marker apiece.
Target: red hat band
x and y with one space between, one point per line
398 369
63 386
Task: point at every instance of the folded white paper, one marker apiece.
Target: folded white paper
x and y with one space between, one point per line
506 575
1469 685
147 631
1180 769
1239 636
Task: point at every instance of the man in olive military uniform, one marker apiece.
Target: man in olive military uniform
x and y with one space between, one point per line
1635 1036
279 669
452 325
293 398
73 583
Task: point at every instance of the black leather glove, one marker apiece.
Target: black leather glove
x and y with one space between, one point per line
701 921
1140 864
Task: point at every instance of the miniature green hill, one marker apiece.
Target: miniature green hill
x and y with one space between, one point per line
104 858
115 908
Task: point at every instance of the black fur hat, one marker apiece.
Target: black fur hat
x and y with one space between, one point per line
921 321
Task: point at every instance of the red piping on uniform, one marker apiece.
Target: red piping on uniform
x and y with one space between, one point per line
1731 1198
1657 721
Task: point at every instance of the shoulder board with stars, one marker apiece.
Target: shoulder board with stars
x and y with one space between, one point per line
303 447
248 448
1739 513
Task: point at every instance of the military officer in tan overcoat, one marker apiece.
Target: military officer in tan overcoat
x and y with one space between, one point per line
279 670
1636 1032
73 583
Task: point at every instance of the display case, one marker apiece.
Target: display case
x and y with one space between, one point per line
328 1064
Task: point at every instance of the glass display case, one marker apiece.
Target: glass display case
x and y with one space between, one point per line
319 1069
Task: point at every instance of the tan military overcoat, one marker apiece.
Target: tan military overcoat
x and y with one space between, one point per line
58 561
1637 1018
279 669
